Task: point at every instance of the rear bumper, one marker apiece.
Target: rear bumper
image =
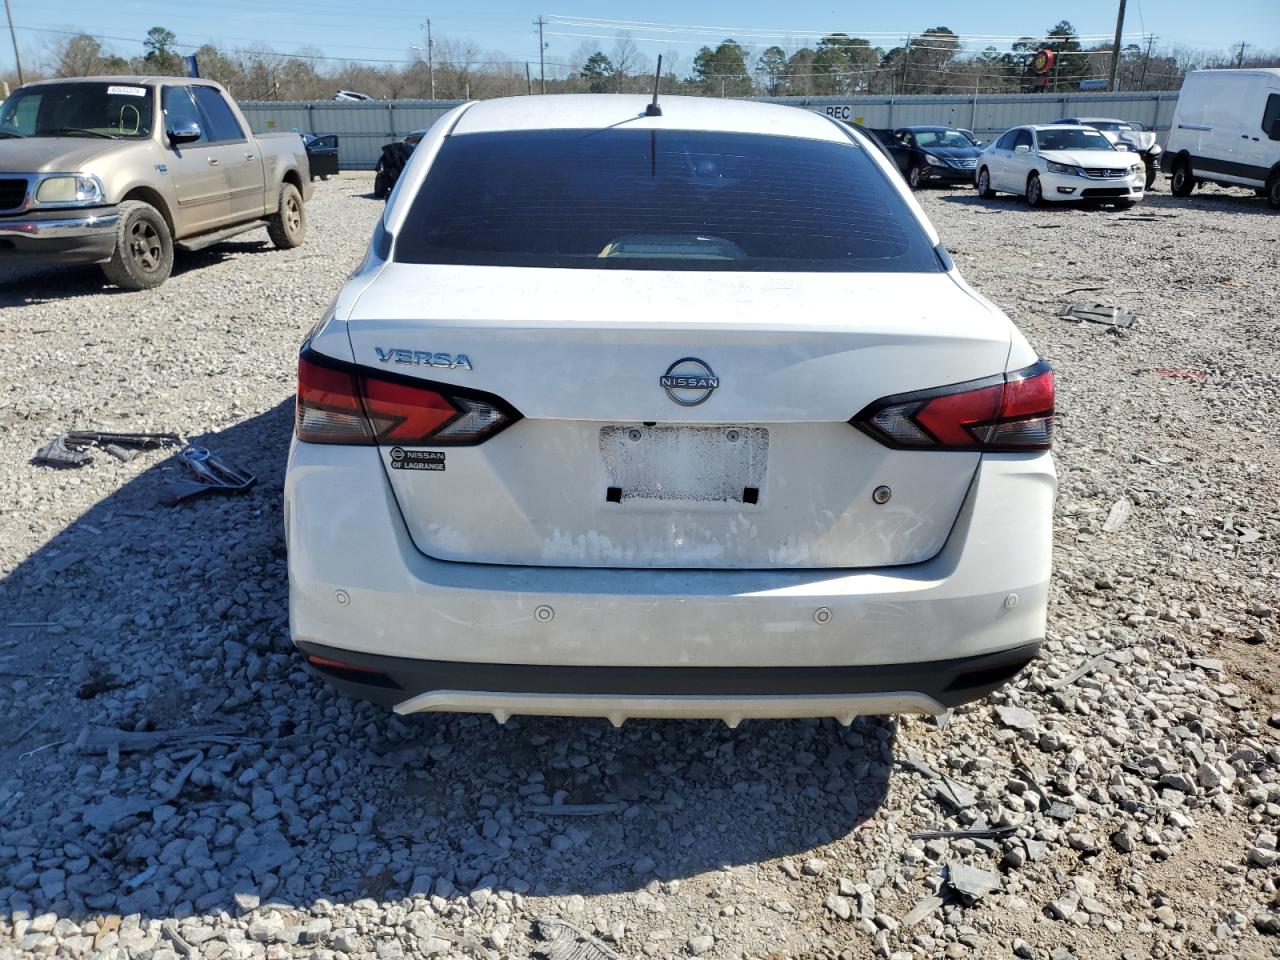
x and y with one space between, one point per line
732 693
696 643
56 237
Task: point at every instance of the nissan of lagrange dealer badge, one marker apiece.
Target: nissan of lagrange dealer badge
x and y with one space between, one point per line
402 459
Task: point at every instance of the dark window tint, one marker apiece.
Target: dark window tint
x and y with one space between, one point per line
220 123
664 200
1271 114
180 111
1006 141
1023 139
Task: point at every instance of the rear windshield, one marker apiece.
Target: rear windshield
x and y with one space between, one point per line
661 200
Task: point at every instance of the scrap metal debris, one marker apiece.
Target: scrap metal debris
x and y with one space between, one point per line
94 739
72 449
1103 661
974 833
575 809
1097 313
211 476
564 941
951 792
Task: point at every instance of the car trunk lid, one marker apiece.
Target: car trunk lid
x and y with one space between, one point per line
611 466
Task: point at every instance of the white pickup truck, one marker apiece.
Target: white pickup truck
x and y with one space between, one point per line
121 170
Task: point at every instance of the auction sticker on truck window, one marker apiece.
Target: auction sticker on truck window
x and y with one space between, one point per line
402 459
127 91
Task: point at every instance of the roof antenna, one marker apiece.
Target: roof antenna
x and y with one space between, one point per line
653 110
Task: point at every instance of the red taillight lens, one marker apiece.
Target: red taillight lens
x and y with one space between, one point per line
339 404
329 409
1005 413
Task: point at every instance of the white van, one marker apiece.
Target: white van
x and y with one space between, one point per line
1226 130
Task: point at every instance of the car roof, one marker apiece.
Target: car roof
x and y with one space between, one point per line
929 127
596 111
1100 120
1047 126
135 81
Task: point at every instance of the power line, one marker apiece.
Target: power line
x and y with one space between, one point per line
273 53
653 27
910 41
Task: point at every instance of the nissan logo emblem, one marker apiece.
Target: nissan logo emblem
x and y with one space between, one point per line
689 381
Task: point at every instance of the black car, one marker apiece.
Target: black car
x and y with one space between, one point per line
322 154
932 154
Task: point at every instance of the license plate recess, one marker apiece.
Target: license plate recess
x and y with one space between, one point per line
685 463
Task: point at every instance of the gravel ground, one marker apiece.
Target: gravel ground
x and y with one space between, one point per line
1125 791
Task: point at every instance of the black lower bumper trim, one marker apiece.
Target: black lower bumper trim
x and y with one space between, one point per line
949 682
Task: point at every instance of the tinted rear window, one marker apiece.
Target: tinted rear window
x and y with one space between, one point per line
665 200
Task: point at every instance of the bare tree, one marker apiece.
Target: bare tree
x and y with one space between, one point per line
628 63
78 56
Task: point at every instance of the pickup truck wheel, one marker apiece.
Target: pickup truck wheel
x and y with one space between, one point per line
288 225
143 257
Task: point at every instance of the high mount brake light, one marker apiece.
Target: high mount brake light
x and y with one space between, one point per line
341 403
1007 413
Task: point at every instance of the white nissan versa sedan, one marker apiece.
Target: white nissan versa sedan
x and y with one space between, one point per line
1053 163
686 415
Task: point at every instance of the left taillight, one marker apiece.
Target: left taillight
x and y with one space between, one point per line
342 404
1007 413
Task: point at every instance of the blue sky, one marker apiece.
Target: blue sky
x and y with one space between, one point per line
384 29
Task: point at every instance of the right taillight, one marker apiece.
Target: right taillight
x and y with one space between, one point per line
340 403
1007 413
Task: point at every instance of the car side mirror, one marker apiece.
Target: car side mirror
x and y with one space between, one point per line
1022 148
1274 132
187 132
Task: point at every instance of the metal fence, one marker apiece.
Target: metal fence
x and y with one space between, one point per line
363 128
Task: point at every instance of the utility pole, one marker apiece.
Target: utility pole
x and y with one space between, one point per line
14 37
528 80
1115 52
542 58
906 58
1239 59
1142 84
431 63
